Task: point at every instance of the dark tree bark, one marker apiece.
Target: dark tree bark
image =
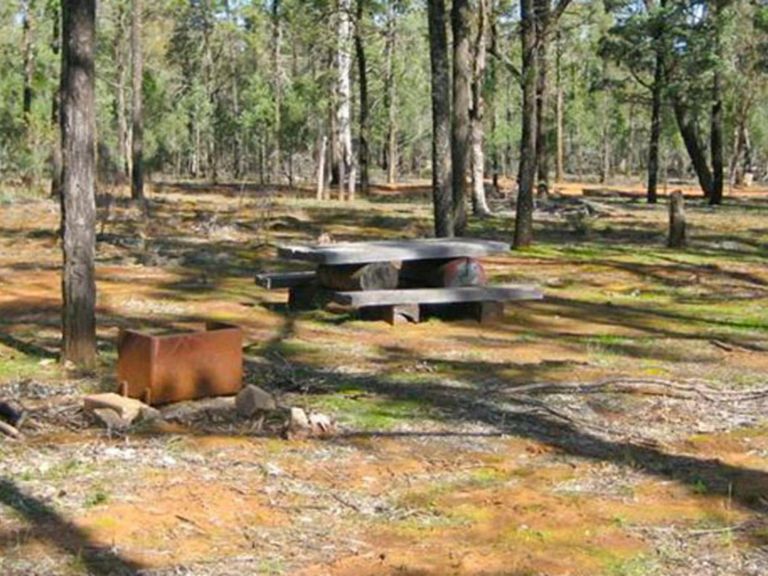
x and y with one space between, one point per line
493 98
137 112
716 130
653 146
559 161
441 119
28 20
56 106
237 159
543 13
78 209
677 237
690 135
277 87
122 55
527 169
362 152
477 113
390 95
461 15
547 17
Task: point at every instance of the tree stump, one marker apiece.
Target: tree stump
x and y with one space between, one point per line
677 229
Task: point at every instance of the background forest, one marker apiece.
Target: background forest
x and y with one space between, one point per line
250 90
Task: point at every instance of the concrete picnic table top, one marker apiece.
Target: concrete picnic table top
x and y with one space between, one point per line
393 250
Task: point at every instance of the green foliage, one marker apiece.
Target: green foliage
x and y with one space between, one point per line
213 78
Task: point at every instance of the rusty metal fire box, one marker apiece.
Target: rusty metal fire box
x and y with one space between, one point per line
183 366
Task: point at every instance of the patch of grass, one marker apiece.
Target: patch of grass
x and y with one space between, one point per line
370 412
700 487
642 565
527 535
425 498
471 514
96 497
273 567
417 525
483 477
17 365
61 471
77 565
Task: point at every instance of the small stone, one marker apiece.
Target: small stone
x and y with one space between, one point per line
149 414
126 408
321 424
273 469
111 419
253 399
298 419
11 414
297 424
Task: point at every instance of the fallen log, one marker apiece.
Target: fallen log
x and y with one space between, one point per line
450 273
353 277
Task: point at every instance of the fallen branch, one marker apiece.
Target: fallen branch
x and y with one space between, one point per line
9 430
651 386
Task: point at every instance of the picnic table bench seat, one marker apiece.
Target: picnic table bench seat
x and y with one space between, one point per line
484 303
277 280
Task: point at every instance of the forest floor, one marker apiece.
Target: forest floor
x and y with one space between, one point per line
445 462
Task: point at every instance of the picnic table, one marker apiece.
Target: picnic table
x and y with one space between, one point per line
399 280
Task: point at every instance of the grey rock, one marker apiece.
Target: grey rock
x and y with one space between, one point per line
111 419
298 420
149 414
252 399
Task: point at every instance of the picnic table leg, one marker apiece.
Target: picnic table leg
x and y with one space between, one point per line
488 312
305 297
398 314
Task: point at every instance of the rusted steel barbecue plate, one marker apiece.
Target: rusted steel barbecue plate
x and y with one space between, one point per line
394 250
175 367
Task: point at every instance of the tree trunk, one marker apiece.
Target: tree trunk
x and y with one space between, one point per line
677 232
653 147
321 167
493 99
237 160
513 84
461 15
277 87
605 170
390 95
137 111
56 106
527 170
543 10
716 131
78 207
344 94
28 49
363 81
122 54
441 119
689 133
333 152
559 162
479 203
